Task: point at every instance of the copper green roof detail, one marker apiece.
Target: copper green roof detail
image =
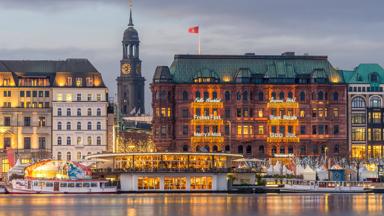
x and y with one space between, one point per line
372 74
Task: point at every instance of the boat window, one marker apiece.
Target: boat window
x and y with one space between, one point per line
93 184
49 184
86 184
79 184
71 185
63 184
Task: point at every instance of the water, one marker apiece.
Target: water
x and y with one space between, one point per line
193 204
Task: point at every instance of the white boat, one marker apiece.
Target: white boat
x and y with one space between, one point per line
25 186
299 186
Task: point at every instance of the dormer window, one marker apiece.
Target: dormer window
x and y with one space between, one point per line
79 81
69 81
374 77
89 81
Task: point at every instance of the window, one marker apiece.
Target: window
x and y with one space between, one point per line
7 121
46 93
42 122
68 125
206 95
314 129
358 118
238 112
59 126
27 121
68 156
59 156
227 148
302 129
261 149
98 112
376 117
89 140
98 140
59 141
376 134
375 102
98 97
89 126
42 143
214 95
79 81
227 113
68 97
320 95
78 97
358 134
59 112
261 96
185 96
78 126
335 96
185 129
336 129
245 96
260 129
27 142
79 141
281 95
197 95
336 112
290 95
78 156
68 111
238 96
7 142
69 141
358 102
240 149
78 112
374 77
89 112
248 149
89 97
185 113
98 126
227 95
148 183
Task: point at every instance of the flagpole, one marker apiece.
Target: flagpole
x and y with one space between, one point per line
199 43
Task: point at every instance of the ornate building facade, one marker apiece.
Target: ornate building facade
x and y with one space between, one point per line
259 106
130 83
366 110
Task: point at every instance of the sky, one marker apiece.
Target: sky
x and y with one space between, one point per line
350 32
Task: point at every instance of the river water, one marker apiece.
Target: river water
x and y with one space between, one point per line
193 204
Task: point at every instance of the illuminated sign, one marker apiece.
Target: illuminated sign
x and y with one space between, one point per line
207 134
285 117
211 117
208 100
288 100
284 155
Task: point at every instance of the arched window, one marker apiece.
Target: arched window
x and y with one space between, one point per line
290 150
185 148
248 149
245 96
59 141
274 150
68 140
68 125
302 96
69 156
68 111
78 127
58 155
281 96
206 95
358 102
207 149
98 140
215 148
78 112
98 112
273 95
240 149
98 127
335 96
59 112
197 149
227 148
375 102
290 95
282 150
238 96
197 95
89 140
214 95
59 126
185 96
227 95
89 112
261 96
89 126
78 156
320 95
261 149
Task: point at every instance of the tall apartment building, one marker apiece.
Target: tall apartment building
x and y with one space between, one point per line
260 106
51 109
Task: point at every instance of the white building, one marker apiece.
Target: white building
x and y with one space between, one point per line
79 113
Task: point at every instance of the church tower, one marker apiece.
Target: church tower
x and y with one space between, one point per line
130 83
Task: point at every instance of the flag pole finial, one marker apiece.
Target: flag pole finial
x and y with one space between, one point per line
130 12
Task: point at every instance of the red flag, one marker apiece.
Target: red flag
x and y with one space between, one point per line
194 30
11 157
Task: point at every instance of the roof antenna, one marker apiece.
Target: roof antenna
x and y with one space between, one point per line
130 2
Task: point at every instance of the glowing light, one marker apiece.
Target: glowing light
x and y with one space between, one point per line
226 78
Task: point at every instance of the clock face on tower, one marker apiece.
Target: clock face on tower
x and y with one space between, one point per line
126 68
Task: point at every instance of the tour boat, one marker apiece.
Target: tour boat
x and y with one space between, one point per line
56 176
297 186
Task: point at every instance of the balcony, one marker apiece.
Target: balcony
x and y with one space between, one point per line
207 103
207 120
207 139
289 103
285 120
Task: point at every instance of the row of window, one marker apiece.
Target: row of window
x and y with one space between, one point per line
372 134
28 104
78 126
69 156
359 102
79 140
89 81
27 121
78 112
34 94
69 97
365 89
26 142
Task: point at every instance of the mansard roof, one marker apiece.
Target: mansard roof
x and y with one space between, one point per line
364 74
185 68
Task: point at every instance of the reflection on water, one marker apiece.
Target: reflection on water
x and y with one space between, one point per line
192 204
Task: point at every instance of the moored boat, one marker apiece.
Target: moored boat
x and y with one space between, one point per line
297 186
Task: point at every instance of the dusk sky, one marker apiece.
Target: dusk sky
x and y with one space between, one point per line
349 31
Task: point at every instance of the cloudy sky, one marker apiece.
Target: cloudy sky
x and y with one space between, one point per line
348 31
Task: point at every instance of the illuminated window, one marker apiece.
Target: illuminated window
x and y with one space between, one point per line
201 183
358 118
239 130
78 155
89 140
69 81
175 183
376 117
302 113
79 141
321 113
5 165
245 130
68 97
148 183
89 81
59 97
358 151
169 112
358 134
336 112
376 134
98 97
260 129
260 113
375 102
163 112
79 81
